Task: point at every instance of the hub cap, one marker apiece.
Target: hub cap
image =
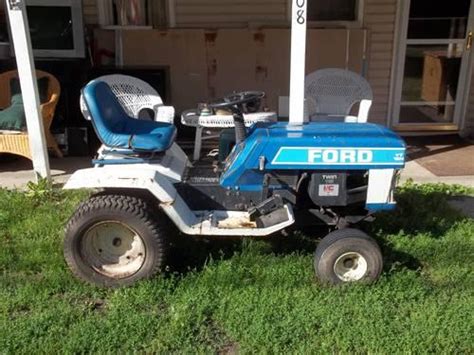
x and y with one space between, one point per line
350 267
113 250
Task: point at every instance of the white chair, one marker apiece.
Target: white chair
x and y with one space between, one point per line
135 96
333 92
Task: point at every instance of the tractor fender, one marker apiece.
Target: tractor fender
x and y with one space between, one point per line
124 177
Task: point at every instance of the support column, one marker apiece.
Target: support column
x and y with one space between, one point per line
26 69
298 60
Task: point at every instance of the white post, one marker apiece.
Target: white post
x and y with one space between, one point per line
298 61
29 88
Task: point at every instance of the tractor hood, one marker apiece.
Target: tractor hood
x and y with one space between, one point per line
328 135
314 146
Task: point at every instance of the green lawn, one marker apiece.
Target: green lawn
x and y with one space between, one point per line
242 296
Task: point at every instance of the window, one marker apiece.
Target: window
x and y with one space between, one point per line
333 10
132 13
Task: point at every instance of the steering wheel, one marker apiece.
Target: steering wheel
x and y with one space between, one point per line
237 99
235 102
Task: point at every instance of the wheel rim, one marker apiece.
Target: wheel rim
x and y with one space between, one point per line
113 249
351 267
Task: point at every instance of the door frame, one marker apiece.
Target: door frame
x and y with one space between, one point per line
398 70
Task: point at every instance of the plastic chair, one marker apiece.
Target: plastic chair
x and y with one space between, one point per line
334 92
135 96
18 142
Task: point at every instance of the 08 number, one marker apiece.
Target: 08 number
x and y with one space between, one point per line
300 11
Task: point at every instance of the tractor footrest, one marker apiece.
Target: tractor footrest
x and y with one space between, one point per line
269 213
272 219
266 207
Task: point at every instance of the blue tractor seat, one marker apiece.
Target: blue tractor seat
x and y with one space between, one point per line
116 129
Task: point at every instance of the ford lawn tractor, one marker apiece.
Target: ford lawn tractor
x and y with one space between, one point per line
277 178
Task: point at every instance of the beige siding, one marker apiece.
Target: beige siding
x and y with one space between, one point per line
205 64
90 12
379 19
229 13
469 126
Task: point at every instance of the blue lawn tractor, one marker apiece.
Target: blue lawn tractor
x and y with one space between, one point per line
278 177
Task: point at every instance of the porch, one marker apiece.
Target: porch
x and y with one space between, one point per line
444 159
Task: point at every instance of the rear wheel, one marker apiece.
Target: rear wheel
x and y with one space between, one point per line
114 240
348 256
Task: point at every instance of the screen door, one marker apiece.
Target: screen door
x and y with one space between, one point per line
432 64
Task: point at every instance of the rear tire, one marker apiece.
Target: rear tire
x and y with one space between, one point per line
114 240
348 256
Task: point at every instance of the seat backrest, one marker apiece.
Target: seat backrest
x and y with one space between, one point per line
335 91
108 116
133 94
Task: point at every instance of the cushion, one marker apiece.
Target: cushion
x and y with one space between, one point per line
43 85
13 117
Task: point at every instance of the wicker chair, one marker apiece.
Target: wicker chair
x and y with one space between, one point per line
18 143
334 92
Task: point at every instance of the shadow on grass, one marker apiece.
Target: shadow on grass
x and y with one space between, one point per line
421 209
188 254
396 259
303 241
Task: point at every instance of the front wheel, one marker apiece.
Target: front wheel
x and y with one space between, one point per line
114 240
348 256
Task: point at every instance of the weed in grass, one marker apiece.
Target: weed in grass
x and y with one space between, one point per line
244 297
42 191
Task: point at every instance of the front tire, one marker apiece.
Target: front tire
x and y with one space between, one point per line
348 256
114 240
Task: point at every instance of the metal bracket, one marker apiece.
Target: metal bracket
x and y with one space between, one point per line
15 4
469 40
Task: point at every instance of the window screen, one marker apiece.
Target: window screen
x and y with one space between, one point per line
332 10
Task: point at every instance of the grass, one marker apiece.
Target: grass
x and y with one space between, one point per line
242 296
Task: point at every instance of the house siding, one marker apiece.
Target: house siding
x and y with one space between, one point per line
223 69
215 13
469 125
379 20
91 16
229 13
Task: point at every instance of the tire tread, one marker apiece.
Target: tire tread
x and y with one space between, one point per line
334 237
134 206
